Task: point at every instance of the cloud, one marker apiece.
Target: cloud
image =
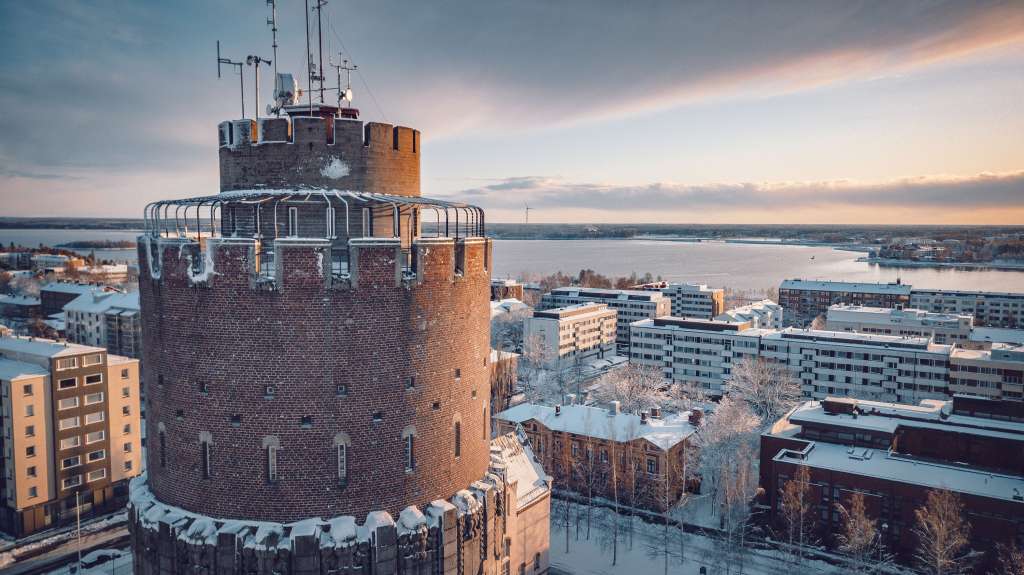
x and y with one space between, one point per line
1003 191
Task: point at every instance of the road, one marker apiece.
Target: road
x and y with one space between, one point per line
68 552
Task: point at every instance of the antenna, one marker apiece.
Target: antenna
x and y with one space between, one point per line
241 80
256 61
320 46
348 67
309 65
528 208
272 22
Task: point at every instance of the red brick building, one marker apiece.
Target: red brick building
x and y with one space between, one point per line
894 454
315 352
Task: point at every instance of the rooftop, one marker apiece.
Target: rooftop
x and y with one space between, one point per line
11 370
844 312
855 338
639 295
43 347
819 285
68 287
980 294
692 323
6 299
100 302
599 423
574 311
997 335
515 460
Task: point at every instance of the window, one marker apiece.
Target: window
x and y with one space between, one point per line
458 439
95 436
67 363
410 382
68 423
97 455
271 445
97 474
342 463
92 359
652 466
127 429
70 482
27 389
458 374
536 561
127 448
31 471
125 410
30 431
30 451
293 222
30 410
341 390
73 461
67 383
67 403
94 398
306 422
163 449
70 442
95 417
33 492
126 392
410 455
205 454
94 379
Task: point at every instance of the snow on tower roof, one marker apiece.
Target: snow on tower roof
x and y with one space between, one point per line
599 423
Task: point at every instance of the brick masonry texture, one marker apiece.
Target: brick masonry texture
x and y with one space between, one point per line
296 153
305 336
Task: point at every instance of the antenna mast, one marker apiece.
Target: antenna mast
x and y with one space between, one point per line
256 61
272 22
241 80
309 65
320 46
348 67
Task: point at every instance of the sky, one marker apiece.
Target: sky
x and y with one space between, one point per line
811 112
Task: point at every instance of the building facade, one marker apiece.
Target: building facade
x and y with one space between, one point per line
629 305
564 336
71 432
804 300
941 327
990 309
894 454
691 300
762 314
318 365
105 319
603 451
995 373
56 295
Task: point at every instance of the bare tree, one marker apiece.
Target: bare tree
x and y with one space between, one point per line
860 537
1011 560
635 387
798 510
942 534
767 387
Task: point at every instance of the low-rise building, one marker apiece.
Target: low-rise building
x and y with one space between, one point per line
761 314
110 273
529 518
71 418
804 300
691 300
630 305
567 335
56 295
995 373
990 309
54 262
105 319
603 451
16 260
20 307
894 454
941 327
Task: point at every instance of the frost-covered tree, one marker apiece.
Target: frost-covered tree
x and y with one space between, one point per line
798 507
818 322
767 387
729 433
860 538
942 533
635 387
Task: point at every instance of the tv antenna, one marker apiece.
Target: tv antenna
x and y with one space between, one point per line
528 208
348 67
256 61
319 77
272 22
241 80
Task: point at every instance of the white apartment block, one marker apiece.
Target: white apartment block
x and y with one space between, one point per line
764 314
570 334
630 305
990 309
693 352
941 327
993 373
105 319
691 300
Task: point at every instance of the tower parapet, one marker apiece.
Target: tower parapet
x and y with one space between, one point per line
317 152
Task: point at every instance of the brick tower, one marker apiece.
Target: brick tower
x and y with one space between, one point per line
316 348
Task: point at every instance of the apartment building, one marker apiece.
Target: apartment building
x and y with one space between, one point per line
19 306
894 454
594 450
804 300
630 305
990 309
761 314
107 319
691 300
941 327
567 335
71 432
995 373
693 352
56 295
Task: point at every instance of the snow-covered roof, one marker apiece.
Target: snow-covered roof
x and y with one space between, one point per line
100 302
43 347
505 306
6 299
606 293
856 338
875 288
997 335
11 370
516 462
860 313
892 467
68 287
502 355
601 424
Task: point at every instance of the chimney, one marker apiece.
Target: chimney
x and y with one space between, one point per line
558 410
643 418
615 408
655 413
696 416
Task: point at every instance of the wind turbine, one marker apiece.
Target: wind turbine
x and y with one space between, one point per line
528 208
